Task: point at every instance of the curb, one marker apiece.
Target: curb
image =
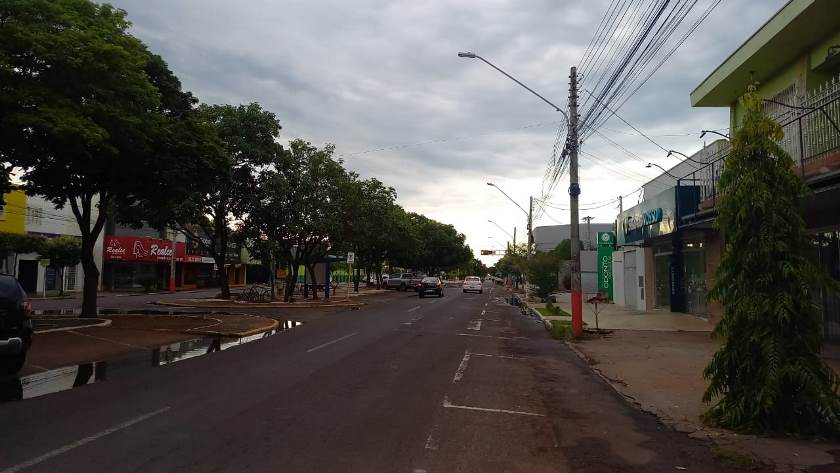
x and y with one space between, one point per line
104 323
259 305
247 333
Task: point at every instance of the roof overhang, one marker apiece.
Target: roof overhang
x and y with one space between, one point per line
794 28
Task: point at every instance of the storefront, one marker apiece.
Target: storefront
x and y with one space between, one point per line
660 265
136 262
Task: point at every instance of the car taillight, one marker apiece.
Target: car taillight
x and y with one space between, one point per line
27 310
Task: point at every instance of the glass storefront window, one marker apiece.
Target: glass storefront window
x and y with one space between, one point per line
695 280
662 280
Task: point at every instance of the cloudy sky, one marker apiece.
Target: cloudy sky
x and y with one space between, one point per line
382 80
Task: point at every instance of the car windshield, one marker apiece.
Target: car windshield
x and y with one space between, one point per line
473 279
434 280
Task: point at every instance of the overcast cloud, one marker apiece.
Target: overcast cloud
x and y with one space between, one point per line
382 81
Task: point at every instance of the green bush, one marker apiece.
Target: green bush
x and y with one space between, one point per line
561 330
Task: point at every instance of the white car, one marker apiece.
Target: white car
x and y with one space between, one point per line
473 283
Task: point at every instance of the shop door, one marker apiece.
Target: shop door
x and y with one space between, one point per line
662 280
28 275
631 284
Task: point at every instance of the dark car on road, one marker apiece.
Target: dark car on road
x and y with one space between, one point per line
15 325
430 285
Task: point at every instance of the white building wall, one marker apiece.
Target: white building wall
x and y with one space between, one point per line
43 218
618 277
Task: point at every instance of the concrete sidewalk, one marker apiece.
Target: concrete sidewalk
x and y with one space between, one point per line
662 373
613 317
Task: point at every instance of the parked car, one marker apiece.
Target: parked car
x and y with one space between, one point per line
429 285
15 325
402 281
473 283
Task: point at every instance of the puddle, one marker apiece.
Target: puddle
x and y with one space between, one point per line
14 388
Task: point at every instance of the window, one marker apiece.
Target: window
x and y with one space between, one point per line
70 278
34 215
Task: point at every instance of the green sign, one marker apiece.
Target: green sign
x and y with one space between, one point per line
606 243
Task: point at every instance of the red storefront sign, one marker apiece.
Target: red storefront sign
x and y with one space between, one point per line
145 249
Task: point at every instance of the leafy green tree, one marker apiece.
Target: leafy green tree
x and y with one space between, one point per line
563 250
248 139
541 269
767 375
62 251
15 244
85 114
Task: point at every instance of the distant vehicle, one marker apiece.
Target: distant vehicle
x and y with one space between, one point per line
402 281
15 325
430 285
473 283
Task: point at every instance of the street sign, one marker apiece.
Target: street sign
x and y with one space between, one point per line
606 242
351 257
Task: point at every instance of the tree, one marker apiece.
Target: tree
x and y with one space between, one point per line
541 269
83 115
62 251
248 138
15 244
767 374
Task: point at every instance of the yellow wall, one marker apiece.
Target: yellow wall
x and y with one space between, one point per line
14 212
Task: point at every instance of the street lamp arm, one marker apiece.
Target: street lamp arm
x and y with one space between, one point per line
703 133
672 152
501 228
663 170
555 107
509 198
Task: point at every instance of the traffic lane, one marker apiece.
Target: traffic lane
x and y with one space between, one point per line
194 388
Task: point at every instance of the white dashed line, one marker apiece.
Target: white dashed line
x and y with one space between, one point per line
448 404
331 342
413 309
459 373
491 336
431 440
507 357
83 441
483 312
474 325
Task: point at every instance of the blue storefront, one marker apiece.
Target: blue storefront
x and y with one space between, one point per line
663 266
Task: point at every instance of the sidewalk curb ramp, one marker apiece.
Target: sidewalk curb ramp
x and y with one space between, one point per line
259 305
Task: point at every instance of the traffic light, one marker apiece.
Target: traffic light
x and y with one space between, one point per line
486 252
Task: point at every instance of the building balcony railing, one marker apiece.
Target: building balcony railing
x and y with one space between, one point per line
811 129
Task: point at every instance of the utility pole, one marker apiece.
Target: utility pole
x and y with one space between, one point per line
620 204
172 261
530 224
574 193
588 232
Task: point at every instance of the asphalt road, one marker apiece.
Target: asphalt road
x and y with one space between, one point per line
458 384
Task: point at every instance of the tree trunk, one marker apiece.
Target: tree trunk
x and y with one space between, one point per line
91 279
310 269
356 280
291 282
221 276
61 281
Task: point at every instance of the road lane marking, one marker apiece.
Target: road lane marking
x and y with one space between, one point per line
115 342
431 441
413 309
474 325
491 336
508 357
331 342
483 311
83 441
448 404
433 301
459 373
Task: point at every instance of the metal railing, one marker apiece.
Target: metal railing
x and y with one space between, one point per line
811 126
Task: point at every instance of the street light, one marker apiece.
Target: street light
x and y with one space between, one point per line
663 169
527 214
472 55
703 133
497 241
501 228
509 198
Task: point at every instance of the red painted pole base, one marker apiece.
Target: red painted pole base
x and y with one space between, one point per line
577 313
172 283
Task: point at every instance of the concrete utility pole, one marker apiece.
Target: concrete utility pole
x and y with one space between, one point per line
514 239
588 232
574 193
172 284
530 224
620 204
